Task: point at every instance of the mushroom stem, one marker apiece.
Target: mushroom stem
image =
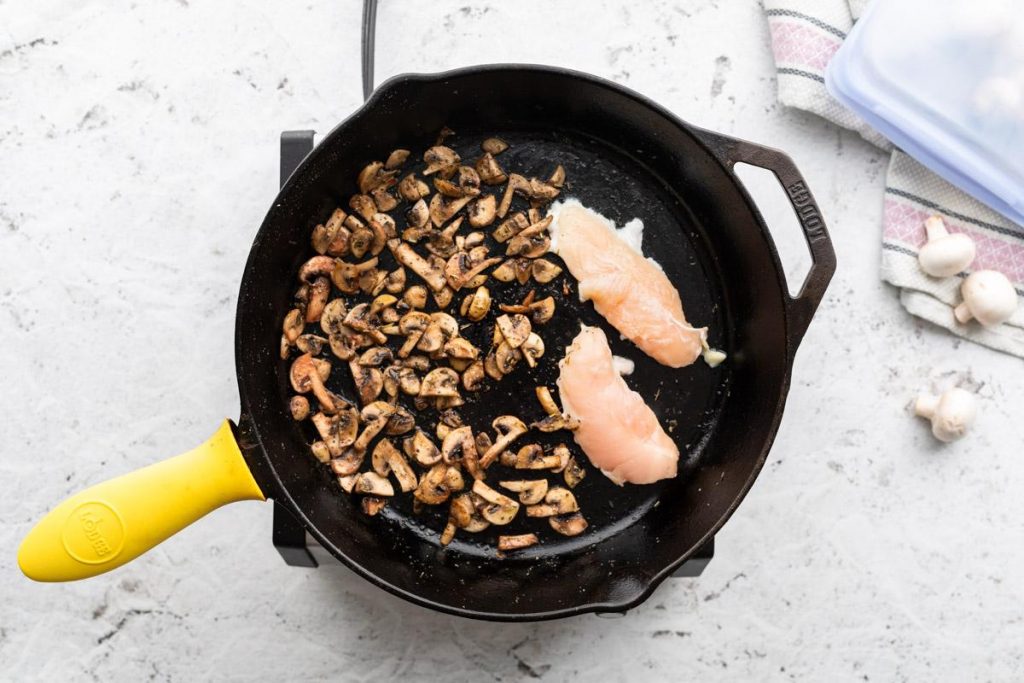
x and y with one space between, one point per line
926 405
935 227
963 313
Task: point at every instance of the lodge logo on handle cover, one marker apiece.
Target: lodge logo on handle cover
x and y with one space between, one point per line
93 533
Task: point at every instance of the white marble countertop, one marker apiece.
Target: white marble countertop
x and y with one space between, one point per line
139 154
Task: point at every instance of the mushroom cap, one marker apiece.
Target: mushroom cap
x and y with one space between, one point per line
954 414
947 255
990 296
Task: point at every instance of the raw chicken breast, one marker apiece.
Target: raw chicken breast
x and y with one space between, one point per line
618 431
630 291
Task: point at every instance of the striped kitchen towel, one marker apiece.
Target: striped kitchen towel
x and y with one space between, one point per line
805 34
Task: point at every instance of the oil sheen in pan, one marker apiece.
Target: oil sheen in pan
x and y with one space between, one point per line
685 400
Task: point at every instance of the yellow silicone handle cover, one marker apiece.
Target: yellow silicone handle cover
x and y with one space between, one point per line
112 523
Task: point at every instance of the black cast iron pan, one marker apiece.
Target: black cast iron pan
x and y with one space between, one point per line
624 156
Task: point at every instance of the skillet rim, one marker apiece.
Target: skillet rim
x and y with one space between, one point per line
265 471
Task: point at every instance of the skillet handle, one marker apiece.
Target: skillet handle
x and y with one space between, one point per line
113 522
799 309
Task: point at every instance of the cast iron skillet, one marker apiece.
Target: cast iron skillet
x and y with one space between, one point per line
624 156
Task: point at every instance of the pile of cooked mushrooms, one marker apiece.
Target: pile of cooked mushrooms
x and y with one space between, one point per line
406 349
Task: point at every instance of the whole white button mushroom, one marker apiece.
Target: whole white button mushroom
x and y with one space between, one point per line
951 413
989 298
945 254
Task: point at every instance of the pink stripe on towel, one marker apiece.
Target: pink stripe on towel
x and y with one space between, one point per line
801 45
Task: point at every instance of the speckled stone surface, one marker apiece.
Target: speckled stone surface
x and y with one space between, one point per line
138 148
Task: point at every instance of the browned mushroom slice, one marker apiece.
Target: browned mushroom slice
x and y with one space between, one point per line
373 175
433 487
419 215
384 200
445 402
515 182
376 356
396 159
510 227
515 329
545 271
508 429
517 542
461 348
442 208
454 479
459 447
301 373
347 463
332 318
293 324
505 272
473 376
401 422
415 297
448 188
326 233
483 442
353 222
360 242
550 423
413 324
361 320
532 242
420 448
451 418
413 189
316 267
298 406
375 417
369 381
494 145
573 473
469 181
373 484
461 511
437 332
395 281
462 267
348 482
491 365
416 362
310 343
343 345
479 304
489 170
400 468
541 190
547 401
443 297
440 158
500 509
379 458
542 311
285 348
337 431
432 275
442 382
557 177
569 525
448 535
363 205
372 505
530 491
533 349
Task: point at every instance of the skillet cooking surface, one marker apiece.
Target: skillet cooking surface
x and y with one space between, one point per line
684 399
